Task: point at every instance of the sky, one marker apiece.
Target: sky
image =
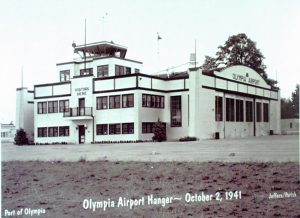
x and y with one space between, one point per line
35 35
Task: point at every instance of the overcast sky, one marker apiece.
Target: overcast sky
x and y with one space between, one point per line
38 34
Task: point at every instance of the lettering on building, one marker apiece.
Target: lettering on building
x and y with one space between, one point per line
245 79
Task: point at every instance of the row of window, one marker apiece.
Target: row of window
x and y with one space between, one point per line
115 128
53 131
114 101
53 106
102 71
147 127
235 110
153 101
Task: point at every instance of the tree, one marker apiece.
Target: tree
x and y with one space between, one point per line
159 131
21 138
290 107
295 101
238 50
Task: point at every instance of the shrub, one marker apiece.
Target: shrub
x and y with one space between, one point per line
159 132
21 138
187 138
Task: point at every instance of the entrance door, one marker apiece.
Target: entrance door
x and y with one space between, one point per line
81 134
81 104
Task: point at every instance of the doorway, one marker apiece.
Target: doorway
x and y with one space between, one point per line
81 134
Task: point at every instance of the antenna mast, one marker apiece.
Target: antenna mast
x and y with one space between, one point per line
84 45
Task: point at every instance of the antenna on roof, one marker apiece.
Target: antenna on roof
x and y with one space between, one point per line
84 44
22 77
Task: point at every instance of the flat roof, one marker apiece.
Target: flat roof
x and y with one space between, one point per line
103 48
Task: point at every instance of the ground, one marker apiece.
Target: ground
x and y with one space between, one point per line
59 183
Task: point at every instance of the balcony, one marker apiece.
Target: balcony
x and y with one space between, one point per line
79 113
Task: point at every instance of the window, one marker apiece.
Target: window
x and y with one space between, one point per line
229 109
127 100
42 132
64 131
52 107
175 111
153 101
127 70
266 112
101 129
52 131
102 103
119 70
63 105
42 107
218 108
147 127
114 101
102 71
239 112
249 111
114 129
136 70
258 111
127 128
291 125
64 75
88 71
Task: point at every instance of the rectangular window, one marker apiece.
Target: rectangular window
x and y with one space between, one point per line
176 111
88 71
101 129
147 127
218 108
52 107
249 111
42 132
239 112
102 71
52 131
64 75
153 101
127 70
229 109
114 101
119 70
266 112
63 105
127 100
258 111
127 128
42 107
64 131
114 129
102 103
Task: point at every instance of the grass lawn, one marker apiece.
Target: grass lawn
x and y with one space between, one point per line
60 188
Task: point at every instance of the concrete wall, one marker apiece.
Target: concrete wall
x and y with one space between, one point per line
290 126
25 111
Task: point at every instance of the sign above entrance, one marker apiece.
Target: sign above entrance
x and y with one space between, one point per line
81 91
243 74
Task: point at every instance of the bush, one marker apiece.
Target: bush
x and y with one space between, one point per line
187 138
21 138
159 131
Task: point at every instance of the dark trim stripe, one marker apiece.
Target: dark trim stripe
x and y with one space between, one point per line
30 102
52 84
97 58
141 88
239 93
53 96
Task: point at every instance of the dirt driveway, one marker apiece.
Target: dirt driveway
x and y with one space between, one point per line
264 149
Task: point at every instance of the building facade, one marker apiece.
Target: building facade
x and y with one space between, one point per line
8 132
103 96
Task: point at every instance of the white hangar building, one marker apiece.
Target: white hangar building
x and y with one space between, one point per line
103 96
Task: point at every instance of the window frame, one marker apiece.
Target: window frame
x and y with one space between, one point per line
113 104
218 108
113 127
53 131
52 107
43 108
100 130
127 128
65 74
103 70
175 108
127 103
100 103
64 131
42 132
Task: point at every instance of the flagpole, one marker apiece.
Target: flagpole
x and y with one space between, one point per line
84 45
